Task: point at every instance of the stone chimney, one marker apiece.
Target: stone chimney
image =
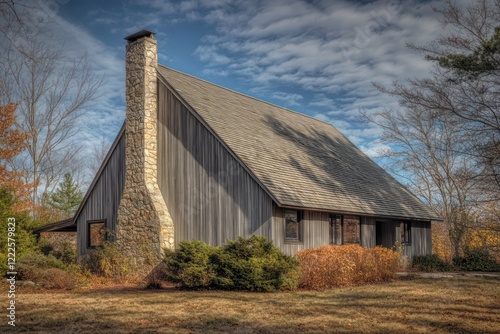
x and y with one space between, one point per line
144 225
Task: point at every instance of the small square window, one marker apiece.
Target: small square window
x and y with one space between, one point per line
96 233
292 225
405 233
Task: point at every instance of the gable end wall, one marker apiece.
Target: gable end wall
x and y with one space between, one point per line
104 197
209 194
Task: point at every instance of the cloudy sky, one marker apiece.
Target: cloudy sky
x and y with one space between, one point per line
315 57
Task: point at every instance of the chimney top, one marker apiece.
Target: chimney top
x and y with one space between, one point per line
138 35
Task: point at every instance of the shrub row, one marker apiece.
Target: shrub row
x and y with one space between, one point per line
429 263
65 251
47 270
337 266
252 264
474 259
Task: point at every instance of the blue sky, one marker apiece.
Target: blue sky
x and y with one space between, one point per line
315 57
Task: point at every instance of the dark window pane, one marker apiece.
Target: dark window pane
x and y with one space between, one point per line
291 225
97 234
405 232
338 230
351 230
332 229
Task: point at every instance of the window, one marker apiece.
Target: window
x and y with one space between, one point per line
405 232
96 232
345 229
293 225
335 229
352 231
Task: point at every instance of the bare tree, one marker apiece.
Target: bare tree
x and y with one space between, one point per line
99 152
466 81
445 138
52 92
424 153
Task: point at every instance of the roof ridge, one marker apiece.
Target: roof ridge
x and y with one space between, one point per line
249 96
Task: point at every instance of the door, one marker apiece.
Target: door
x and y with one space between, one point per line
385 234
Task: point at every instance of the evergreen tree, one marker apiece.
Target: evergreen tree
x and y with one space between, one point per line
67 197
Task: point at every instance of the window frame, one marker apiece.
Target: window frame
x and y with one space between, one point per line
358 230
405 227
95 222
337 229
300 216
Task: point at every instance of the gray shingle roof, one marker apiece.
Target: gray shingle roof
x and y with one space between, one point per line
302 161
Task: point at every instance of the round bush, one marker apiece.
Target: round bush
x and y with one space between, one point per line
252 264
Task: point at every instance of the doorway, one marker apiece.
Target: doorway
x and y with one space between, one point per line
385 234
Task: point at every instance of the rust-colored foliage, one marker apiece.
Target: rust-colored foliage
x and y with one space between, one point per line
485 236
347 265
441 244
11 144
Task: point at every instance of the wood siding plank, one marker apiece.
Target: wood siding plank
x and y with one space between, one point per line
368 230
104 197
315 231
209 194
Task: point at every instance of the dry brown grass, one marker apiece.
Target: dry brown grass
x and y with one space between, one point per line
451 305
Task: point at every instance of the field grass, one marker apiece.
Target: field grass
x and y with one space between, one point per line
448 305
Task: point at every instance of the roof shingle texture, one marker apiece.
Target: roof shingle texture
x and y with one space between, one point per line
302 161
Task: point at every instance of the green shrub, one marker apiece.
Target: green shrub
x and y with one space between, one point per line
190 264
65 251
429 263
45 246
47 270
476 259
252 264
35 261
24 226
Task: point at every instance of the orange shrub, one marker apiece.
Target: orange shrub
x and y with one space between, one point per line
336 266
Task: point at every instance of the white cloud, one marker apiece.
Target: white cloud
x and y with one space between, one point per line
208 53
290 99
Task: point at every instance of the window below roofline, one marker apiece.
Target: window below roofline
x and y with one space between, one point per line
405 227
96 233
294 226
344 229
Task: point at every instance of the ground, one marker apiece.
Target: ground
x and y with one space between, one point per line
445 305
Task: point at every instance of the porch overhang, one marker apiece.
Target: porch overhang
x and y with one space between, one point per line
66 225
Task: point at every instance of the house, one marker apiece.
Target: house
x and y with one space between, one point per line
198 161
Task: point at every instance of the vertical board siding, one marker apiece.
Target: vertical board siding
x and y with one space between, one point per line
315 231
104 197
210 196
368 229
389 231
421 239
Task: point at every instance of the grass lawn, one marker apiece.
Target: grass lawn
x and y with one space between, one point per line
447 305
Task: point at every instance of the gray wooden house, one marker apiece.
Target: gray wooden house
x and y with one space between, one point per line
198 161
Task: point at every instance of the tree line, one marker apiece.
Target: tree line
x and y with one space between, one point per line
445 135
43 95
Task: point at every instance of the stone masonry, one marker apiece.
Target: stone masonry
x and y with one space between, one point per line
144 225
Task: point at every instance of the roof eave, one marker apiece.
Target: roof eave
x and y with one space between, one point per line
364 214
